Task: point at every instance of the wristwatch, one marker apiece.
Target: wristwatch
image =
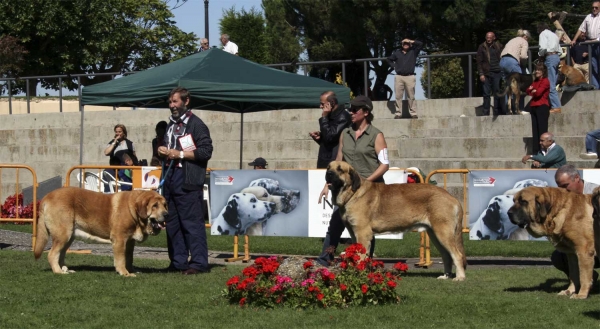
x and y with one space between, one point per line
181 154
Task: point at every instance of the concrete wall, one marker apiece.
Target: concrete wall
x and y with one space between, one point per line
447 135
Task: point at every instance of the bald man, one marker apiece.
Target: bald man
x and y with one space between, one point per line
551 155
488 66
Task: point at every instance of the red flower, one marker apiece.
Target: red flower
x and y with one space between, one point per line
343 287
308 264
402 267
377 263
361 266
391 284
233 280
364 288
320 296
331 276
242 301
311 288
343 265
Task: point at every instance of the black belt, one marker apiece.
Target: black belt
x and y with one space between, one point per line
509 55
406 75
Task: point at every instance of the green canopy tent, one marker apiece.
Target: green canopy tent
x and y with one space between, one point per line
217 81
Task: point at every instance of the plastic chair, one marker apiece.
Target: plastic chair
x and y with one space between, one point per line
113 184
91 181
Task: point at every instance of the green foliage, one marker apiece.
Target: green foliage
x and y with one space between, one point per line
93 36
447 77
247 30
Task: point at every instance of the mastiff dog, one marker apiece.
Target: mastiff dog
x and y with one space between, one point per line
516 85
369 208
120 219
566 219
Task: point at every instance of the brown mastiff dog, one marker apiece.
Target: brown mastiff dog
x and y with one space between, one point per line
572 76
120 219
368 208
566 219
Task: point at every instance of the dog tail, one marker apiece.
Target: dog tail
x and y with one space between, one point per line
41 237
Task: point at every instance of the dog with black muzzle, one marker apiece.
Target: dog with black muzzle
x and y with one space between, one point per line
566 219
369 208
242 211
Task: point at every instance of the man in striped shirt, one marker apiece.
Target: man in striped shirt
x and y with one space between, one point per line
591 28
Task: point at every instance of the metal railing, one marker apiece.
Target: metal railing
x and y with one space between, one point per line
365 61
17 217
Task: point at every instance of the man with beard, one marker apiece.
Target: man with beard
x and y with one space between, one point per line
186 154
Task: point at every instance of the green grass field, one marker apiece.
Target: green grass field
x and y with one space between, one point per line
406 248
96 297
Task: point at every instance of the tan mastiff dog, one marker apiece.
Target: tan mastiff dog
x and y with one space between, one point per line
369 208
566 219
573 76
120 219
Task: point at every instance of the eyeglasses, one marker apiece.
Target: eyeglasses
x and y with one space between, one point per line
355 109
595 8
204 43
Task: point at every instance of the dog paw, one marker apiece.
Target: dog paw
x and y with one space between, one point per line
129 275
462 278
565 293
65 270
444 277
578 296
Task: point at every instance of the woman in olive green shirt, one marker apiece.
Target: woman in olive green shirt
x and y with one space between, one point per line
364 148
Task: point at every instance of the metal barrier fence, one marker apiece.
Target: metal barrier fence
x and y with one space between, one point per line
33 220
366 61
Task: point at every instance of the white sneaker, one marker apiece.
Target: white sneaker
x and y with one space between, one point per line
589 155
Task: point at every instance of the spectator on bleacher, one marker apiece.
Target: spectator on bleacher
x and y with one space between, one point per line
580 58
540 107
589 28
404 62
229 46
488 66
550 52
259 163
334 119
551 155
203 45
568 177
513 56
159 140
591 145
119 145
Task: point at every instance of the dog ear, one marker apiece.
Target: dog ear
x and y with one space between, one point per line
142 204
355 180
231 214
543 205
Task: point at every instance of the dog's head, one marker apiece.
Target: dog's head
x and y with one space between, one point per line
271 185
494 222
243 210
290 199
342 180
531 207
525 183
262 194
151 209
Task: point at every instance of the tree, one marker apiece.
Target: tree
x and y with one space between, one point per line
447 77
93 36
247 30
281 37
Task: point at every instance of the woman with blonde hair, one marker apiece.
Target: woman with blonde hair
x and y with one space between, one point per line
514 56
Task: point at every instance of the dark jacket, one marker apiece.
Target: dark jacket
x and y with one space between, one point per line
404 64
483 56
331 128
195 170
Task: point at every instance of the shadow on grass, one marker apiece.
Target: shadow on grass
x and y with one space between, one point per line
92 268
547 286
592 314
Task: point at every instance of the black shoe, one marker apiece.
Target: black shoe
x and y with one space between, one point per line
170 269
193 271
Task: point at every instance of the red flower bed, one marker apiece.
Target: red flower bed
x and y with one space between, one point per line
352 282
9 209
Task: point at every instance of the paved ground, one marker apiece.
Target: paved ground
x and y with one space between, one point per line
11 240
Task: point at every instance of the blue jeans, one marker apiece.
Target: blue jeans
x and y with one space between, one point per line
591 140
509 65
551 63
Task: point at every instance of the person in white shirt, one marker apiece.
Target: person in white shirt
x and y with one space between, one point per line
591 29
229 46
550 50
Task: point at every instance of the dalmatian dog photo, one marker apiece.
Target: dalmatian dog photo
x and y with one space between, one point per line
284 203
271 185
494 224
241 212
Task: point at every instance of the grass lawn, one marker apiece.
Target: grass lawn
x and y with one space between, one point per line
96 297
407 248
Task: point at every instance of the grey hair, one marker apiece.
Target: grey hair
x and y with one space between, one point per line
568 169
225 36
550 135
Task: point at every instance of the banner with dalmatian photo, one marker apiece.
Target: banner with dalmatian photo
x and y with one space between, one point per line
274 202
491 195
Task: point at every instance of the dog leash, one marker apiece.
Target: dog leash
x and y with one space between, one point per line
164 176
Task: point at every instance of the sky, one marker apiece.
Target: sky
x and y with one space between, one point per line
189 17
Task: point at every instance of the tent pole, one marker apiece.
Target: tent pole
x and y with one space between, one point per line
81 126
241 138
